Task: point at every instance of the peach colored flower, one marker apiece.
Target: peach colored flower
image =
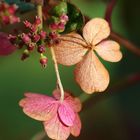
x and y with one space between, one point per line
90 73
59 118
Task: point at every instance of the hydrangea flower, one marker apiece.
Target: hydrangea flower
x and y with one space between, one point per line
90 73
59 118
6 47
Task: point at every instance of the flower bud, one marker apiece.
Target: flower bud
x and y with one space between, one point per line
53 35
43 34
64 18
31 46
37 21
26 39
43 61
36 37
41 49
27 24
25 55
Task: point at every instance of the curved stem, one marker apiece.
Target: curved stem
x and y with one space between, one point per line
109 10
126 43
57 74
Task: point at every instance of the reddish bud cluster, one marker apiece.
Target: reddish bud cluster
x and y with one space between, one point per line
7 13
34 38
56 28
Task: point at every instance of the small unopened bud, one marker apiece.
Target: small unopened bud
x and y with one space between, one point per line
31 46
64 18
43 61
26 39
53 26
61 27
43 34
25 55
53 35
37 21
27 24
41 49
36 37
33 28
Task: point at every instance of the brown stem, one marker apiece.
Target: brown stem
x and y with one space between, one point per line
109 11
57 74
126 43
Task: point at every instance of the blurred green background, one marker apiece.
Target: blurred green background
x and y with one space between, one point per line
115 117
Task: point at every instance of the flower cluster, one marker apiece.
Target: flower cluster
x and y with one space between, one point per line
56 27
34 39
60 118
7 13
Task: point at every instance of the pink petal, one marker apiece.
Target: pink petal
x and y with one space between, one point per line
29 94
74 102
66 114
6 47
109 50
71 49
56 130
76 128
39 107
96 30
57 94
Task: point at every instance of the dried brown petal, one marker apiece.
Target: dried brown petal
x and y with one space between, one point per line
109 51
71 49
96 30
91 75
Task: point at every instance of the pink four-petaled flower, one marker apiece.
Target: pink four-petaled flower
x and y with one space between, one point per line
59 118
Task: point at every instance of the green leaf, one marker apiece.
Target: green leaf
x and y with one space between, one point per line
59 9
76 19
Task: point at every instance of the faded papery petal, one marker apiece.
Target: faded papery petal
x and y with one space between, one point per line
56 130
91 75
96 30
39 107
76 128
66 113
109 51
74 102
57 94
71 49
6 47
31 95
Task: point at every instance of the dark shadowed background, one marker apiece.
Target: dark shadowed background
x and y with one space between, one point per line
114 117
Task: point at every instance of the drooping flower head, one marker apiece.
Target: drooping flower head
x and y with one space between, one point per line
59 118
90 73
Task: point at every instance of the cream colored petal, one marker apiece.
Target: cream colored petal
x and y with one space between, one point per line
71 49
109 51
96 30
91 75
